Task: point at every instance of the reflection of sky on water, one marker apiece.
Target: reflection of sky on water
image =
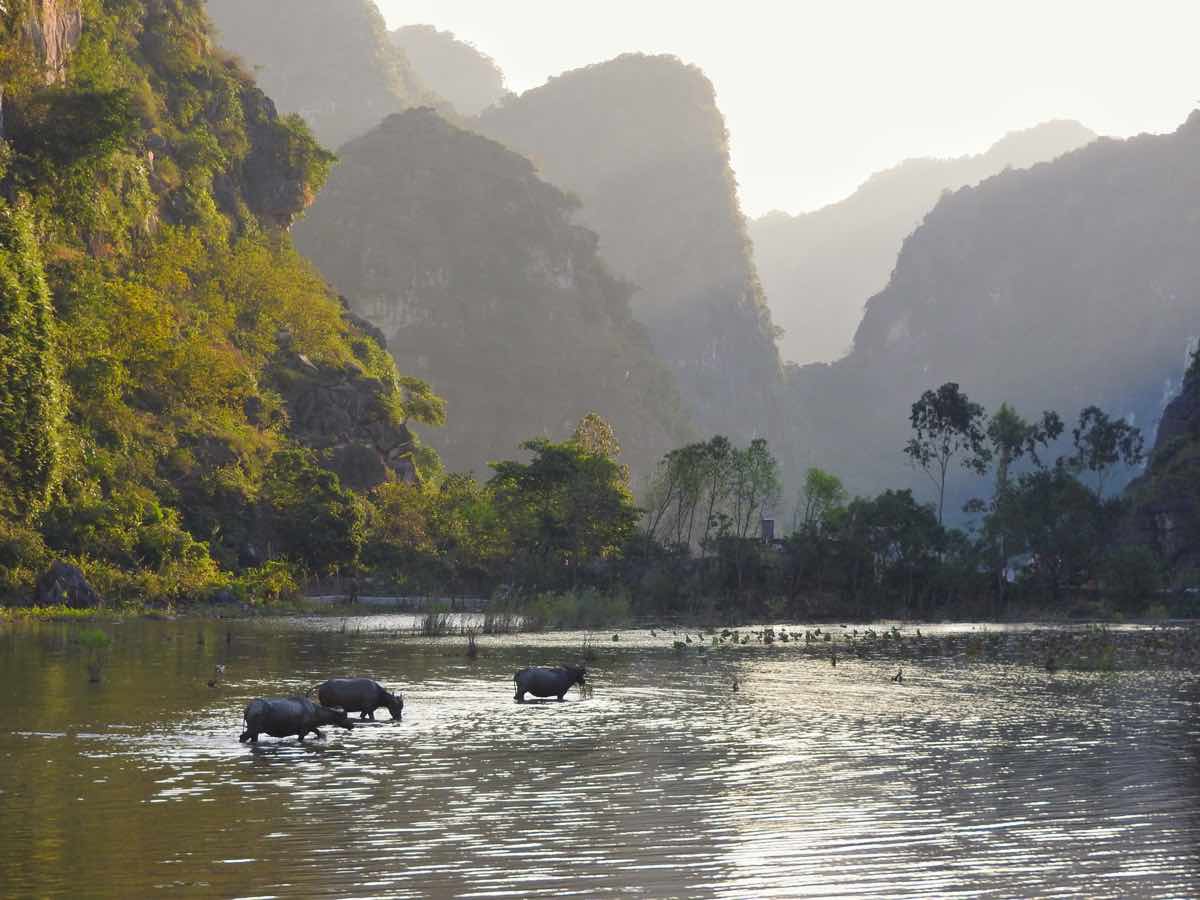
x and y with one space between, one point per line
963 781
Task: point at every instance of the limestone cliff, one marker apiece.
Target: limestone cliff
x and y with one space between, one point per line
642 143
1166 500
471 266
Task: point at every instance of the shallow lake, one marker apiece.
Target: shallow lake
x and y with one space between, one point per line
964 780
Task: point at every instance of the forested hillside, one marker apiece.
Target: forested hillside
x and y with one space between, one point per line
332 63
819 268
641 142
453 69
179 390
472 267
1068 284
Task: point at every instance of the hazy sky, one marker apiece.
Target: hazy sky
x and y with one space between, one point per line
818 95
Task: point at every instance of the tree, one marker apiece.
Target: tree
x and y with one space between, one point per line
1102 443
31 395
1060 523
947 426
1012 438
565 508
821 495
317 521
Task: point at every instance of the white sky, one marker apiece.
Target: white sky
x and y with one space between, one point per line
818 95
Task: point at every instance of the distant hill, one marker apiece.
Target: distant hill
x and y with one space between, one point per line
471 266
641 142
333 63
820 268
455 70
1073 282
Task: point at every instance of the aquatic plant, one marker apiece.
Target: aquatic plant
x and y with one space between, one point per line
472 632
96 644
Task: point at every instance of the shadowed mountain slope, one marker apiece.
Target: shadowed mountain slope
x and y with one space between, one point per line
1074 282
641 142
470 264
819 268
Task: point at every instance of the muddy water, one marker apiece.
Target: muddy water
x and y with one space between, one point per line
962 781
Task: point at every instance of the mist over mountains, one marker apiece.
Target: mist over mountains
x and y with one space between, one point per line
332 63
819 268
1067 284
641 142
456 71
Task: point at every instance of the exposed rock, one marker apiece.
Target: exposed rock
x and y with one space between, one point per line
345 417
65 585
54 27
1166 500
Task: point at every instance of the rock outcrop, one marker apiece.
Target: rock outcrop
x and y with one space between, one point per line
820 268
346 417
65 585
471 266
54 27
1166 499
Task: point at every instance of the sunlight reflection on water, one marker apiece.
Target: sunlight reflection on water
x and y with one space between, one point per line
963 781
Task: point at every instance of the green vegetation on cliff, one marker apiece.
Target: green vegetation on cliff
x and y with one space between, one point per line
152 311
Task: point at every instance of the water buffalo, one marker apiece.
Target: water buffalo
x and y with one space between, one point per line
283 718
543 682
360 695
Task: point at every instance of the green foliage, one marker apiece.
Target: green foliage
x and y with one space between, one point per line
1133 575
1102 443
272 582
317 522
31 395
149 301
579 609
564 509
947 426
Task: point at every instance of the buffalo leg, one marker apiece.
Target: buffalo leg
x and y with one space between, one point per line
560 698
520 697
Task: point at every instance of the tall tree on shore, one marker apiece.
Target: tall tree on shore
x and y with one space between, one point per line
947 426
1103 443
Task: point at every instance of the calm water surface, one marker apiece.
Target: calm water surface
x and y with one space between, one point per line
964 781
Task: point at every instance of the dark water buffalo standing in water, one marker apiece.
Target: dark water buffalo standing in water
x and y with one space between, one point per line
283 718
547 682
360 695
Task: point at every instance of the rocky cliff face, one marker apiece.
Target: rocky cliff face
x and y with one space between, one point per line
1070 283
470 265
1166 500
641 142
820 268
332 63
54 28
344 415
